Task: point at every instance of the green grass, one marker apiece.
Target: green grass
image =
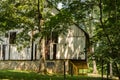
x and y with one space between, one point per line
24 75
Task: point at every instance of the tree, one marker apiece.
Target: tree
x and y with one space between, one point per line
106 24
98 16
16 14
106 31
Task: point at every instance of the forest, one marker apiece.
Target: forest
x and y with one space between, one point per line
99 18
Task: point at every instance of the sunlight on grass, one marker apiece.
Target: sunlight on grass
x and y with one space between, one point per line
19 71
28 75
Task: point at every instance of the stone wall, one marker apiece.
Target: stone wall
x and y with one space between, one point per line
19 65
52 66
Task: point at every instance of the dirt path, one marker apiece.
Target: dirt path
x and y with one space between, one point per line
98 75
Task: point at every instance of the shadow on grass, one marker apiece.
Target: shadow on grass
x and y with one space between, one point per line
21 75
18 75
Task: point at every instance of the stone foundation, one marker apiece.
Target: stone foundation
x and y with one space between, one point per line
52 66
19 65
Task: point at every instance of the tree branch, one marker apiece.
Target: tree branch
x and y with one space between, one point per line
102 25
39 16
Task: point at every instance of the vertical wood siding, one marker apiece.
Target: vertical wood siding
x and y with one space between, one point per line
71 45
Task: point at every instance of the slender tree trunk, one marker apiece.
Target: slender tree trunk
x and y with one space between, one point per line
64 70
91 29
94 67
42 66
117 69
108 70
94 63
102 70
111 70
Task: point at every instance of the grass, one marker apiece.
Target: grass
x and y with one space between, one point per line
24 75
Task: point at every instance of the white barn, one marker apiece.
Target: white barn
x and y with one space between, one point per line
72 47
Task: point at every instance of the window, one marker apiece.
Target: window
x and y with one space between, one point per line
12 38
54 42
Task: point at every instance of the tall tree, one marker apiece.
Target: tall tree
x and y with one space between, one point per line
107 32
34 21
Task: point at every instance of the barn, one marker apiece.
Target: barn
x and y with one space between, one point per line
71 48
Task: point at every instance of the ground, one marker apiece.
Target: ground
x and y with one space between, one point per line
27 75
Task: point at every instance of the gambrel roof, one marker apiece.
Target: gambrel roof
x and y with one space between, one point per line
77 25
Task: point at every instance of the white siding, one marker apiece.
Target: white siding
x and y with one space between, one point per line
72 45
23 54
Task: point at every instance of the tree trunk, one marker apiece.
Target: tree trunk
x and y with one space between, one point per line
111 71
94 62
117 70
64 70
102 63
94 67
108 70
42 66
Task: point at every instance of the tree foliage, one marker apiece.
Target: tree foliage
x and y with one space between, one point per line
102 16
107 32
